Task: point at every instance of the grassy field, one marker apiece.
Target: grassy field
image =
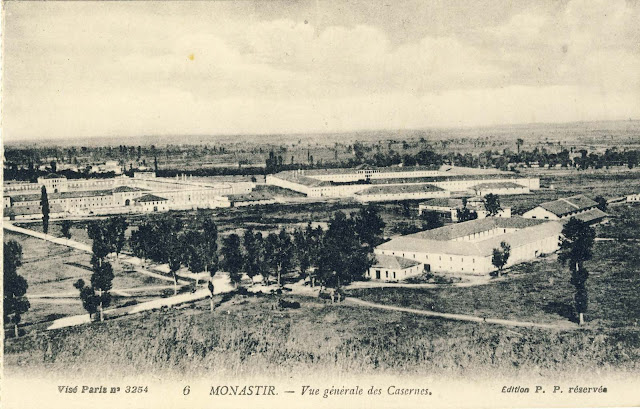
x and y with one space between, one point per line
624 223
248 336
51 269
538 292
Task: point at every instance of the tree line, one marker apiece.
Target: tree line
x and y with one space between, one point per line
331 257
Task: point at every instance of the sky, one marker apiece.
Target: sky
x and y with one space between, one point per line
91 69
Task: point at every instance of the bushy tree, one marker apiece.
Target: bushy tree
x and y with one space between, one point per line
193 256
254 253
431 220
302 250
501 256
232 257
174 258
210 246
15 302
279 254
44 205
344 258
369 226
65 227
576 247
602 203
492 204
117 226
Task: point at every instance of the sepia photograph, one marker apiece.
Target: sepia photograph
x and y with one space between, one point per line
321 203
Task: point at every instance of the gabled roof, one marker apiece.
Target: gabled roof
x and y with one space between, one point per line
456 230
497 185
393 262
398 189
591 215
250 197
423 244
451 203
568 205
30 210
121 189
54 176
150 198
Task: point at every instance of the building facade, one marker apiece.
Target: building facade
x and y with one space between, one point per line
467 248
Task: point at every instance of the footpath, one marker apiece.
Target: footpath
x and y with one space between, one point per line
461 317
221 285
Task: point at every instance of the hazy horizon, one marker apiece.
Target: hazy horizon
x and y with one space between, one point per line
78 70
429 133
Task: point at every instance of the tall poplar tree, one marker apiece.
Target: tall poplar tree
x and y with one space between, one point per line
576 247
15 302
44 204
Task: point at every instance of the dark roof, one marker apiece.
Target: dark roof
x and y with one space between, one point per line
150 198
28 210
591 216
440 241
61 195
497 185
456 230
451 203
54 176
393 262
398 189
300 178
250 197
568 205
121 189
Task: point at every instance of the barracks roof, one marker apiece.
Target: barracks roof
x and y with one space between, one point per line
441 240
568 205
393 262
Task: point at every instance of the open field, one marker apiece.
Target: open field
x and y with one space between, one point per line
317 338
51 269
624 223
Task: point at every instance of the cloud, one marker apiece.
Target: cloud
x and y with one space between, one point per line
114 69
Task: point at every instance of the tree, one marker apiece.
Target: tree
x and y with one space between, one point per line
44 204
302 251
15 302
501 256
465 213
254 257
519 143
193 256
232 257
117 227
343 257
431 220
279 253
65 227
576 247
209 249
369 226
492 204
602 203
174 258
102 277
